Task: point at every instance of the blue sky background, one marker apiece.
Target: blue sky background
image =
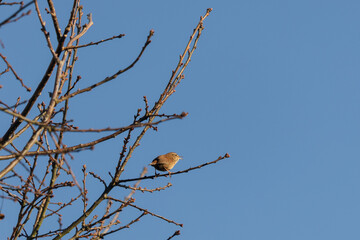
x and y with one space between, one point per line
273 83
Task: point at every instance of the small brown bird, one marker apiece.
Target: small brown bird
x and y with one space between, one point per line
165 162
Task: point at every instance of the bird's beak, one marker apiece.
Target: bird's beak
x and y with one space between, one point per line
180 157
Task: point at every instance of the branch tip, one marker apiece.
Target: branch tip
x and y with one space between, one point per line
184 114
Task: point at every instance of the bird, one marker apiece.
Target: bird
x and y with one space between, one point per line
165 162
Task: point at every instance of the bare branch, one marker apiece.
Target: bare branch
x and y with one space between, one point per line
54 18
148 212
22 7
145 189
90 144
178 172
15 74
85 28
94 43
176 233
47 35
148 41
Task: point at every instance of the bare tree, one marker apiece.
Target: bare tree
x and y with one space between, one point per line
34 184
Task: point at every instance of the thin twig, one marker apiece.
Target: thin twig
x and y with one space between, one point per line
16 13
15 74
147 211
148 41
89 144
85 28
46 33
94 43
54 18
145 189
178 172
122 227
176 233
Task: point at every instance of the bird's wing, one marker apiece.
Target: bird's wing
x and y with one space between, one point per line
154 162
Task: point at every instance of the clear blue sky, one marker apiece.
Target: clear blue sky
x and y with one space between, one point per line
273 83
